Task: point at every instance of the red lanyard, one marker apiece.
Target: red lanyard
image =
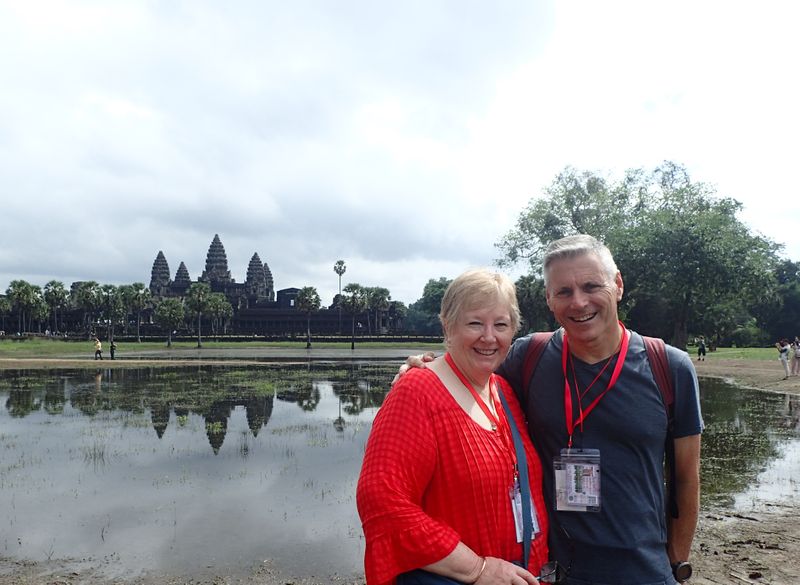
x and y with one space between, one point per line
506 431
583 414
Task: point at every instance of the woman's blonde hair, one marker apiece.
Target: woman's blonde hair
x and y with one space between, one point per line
477 287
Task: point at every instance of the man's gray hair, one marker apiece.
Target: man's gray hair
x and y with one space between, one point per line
578 245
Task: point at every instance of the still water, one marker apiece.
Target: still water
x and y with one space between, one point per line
194 470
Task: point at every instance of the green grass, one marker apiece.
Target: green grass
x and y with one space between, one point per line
35 347
740 353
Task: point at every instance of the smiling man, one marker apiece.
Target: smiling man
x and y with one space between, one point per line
599 421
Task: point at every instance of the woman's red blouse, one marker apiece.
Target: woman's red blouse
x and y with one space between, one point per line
432 477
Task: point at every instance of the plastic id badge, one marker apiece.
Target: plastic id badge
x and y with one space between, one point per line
516 509
577 475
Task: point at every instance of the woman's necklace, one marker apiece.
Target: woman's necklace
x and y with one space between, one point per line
491 413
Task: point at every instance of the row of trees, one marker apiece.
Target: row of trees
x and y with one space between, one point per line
689 265
39 308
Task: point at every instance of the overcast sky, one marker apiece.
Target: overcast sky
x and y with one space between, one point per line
403 137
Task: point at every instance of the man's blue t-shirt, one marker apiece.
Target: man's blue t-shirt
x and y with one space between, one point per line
625 542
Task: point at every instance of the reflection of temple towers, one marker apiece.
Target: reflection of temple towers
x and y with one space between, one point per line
159 415
258 410
217 424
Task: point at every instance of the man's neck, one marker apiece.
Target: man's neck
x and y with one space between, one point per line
597 350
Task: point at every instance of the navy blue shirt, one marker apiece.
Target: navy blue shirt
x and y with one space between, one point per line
625 542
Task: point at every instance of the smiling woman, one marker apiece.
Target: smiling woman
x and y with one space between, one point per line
437 509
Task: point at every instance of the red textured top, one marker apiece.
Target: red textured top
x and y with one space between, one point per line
432 477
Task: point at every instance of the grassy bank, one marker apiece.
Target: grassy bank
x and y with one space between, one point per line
39 347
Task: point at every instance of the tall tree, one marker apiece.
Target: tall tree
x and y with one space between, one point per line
197 302
377 299
220 310
55 294
680 248
5 310
87 298
111 307
23 298
308 301
169 314
136 297
355 302
339 268
536 315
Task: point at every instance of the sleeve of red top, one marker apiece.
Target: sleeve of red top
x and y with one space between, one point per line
399 461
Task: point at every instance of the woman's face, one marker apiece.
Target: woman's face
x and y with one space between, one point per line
478 339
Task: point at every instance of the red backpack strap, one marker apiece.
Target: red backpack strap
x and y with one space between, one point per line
659 364
535 348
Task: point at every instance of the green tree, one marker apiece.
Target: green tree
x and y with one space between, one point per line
355 302
23 298
5 310
339 268
169 314
220 310
682 251
308 301
197 302
423 315
55 294
136 298
111 307
86 297
377 299
536 314
40 311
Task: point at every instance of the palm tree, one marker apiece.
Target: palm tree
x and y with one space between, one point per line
339 268
55 294
307 301
355 303
220 309
197 301
111 305
86 296
377 300
138 297
23 298
169 313
5 309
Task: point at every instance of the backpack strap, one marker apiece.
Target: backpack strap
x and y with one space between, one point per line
536 346
659 364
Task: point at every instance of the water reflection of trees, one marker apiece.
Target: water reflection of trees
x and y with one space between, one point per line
212 393
744 431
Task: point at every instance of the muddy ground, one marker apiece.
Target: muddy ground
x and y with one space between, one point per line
757 547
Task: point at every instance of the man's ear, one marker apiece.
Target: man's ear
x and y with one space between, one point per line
620 285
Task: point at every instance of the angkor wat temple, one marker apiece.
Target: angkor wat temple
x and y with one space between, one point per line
257 308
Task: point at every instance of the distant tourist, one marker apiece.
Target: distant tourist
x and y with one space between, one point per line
784 347
98 349
112 349
796 356
701 349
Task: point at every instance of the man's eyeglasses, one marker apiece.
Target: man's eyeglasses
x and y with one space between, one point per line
552 572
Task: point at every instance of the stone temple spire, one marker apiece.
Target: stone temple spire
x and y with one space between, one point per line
270 283
256 283
182 276
216 264
159 276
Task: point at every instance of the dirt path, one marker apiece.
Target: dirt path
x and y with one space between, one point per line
761 547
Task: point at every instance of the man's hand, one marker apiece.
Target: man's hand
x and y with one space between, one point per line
413 361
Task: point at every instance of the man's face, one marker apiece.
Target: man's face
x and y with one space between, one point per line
583 298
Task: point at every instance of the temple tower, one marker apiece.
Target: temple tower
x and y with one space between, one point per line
216 271
270 284
159 276
256 284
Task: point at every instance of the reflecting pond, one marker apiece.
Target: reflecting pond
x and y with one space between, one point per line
219 469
